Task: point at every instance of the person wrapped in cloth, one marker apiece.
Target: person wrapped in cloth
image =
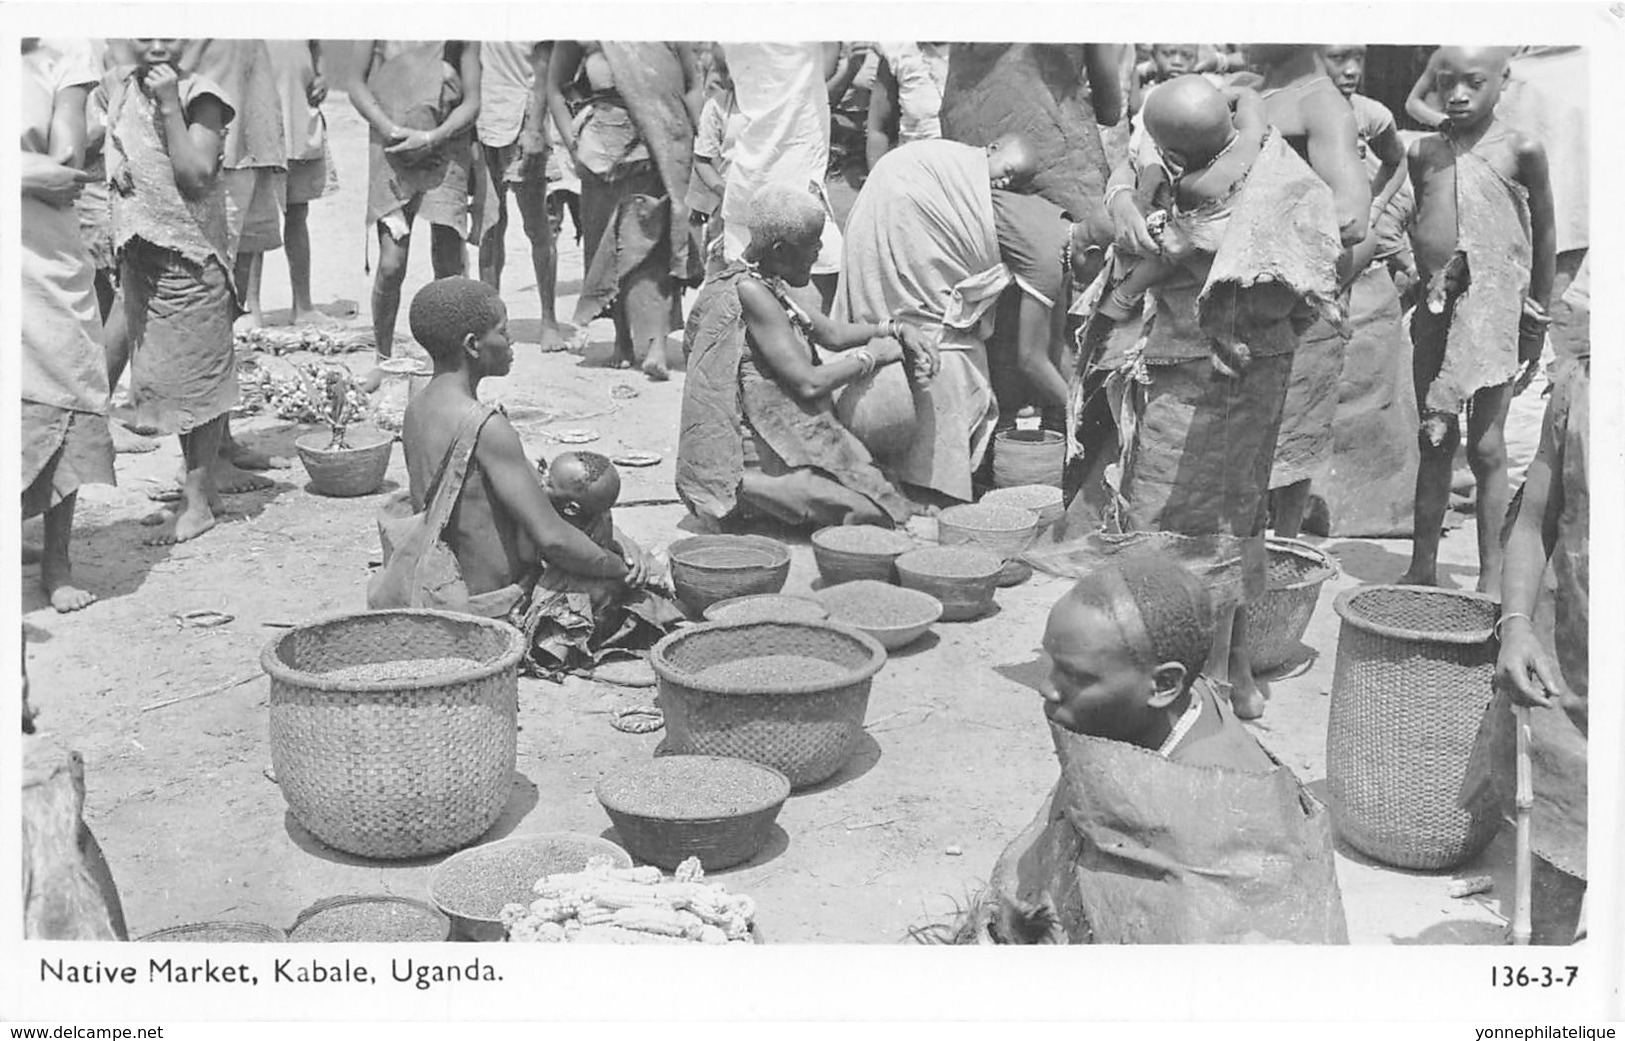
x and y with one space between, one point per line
1170 822
478 530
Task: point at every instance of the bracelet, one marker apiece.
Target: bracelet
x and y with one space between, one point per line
1504 619
1111 193
865 359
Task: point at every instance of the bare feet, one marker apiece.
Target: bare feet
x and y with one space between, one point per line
552 340
1419 578
56 578
654 367
187 525
245 458
246 323
126 442
229 480
169 494
315 319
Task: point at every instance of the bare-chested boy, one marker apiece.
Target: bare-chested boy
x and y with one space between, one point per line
1485 250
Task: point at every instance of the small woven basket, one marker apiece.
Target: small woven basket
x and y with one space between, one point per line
1045 500
1277 620
1413 676
804 729
893 615
850 553
218 932
767 607
472 887
1005 530
666 837
962 578
392 769
1028 457
708 568
346 472
370 919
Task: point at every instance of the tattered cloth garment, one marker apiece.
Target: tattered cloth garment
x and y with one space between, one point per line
1480 324
68 891
725 392
415 89
1131 847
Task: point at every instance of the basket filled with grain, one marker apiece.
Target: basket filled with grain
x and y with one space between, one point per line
1045 500
790 695
218 932
1004 530
850 552
472 887
393 733
963 578
1028 457
1414 676
1277 620
766 607
716 808
370 919
709 568
891 614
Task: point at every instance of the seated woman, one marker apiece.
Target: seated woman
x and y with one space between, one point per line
754 380
516 557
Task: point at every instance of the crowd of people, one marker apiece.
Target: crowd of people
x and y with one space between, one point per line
1195 261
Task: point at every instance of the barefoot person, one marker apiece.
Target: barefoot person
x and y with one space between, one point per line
512 132
302 87
165 136
1156 770
65 437
420 100
754 383
1485 250
516 557
633 150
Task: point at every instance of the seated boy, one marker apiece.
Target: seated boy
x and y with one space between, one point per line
1126 849
1209 148
1485 245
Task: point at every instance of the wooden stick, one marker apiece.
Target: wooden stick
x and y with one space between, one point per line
202 693
1522 926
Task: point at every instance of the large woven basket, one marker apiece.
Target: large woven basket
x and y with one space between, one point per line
806 730
1277 620
708 568
1413 675
1028 457
392 769
668 835
346 472
218 932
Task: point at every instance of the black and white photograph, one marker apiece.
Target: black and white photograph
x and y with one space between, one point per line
592 493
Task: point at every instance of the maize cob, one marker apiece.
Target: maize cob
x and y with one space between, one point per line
616 934
550 932
647 875
592 914
711 934
690 870
552 910
662 921
624 894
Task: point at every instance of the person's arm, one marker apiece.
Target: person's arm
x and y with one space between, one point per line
882 122
776 344
562 71
316 90
847 65
516 489
1334 153
67 135
1416 103
195 145
1250 118
1129 230
49 181
361 96
921 353
1534 175
533 136
1390 176
693 81
1523 668
1033 359
1103 63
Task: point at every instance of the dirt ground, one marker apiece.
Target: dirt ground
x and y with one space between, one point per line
955 761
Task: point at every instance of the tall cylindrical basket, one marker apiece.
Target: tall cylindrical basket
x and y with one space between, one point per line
1412 681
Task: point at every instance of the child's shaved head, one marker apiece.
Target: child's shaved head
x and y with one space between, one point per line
1189 119
1165 610
584 483
783 213
446 312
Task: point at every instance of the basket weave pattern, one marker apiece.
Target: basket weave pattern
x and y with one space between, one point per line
395 769
1028 457
709 568
805 731
1277 620
719 842
346 472
843 565
218 932
1412 681
962 597
1045 500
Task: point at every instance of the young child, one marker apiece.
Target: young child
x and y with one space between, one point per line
302 87
584 487
164 142
1011 162
1208 148
720 123
1392 200
1484 240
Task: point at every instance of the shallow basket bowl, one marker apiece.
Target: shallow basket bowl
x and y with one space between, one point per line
857 604
218 932
414 921
472 887
767 607
724 815
963 578
1044 500
1004 530
1277 621
395 768
709 568
804 728
345 473
852 552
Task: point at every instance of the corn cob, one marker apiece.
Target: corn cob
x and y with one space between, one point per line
592 914
662 921
711 934
615 895
616 934
552 910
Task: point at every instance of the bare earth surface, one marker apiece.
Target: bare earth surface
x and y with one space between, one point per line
955 762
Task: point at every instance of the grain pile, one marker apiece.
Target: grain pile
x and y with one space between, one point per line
682 787
984 516
772 672
727 557
768 607
865 539
953 562
877 605
404 669
372 921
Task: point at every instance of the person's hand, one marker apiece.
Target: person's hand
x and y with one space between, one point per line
163 84
316 90
924 359
885 350
640 567
53 183
1532 326
1129 230
532 143
1523 668
1017 921
409 144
